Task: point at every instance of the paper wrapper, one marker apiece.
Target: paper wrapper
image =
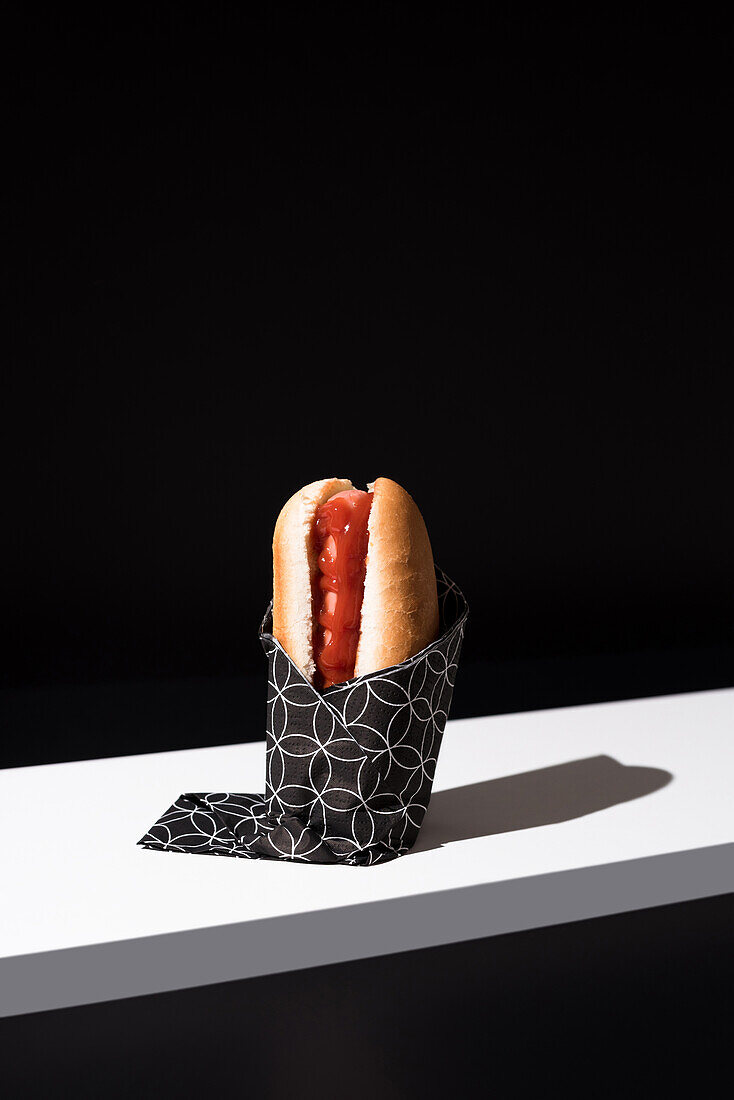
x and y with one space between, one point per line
349 770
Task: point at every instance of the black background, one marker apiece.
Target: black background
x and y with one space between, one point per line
484 254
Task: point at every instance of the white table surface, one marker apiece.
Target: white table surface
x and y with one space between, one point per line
537 819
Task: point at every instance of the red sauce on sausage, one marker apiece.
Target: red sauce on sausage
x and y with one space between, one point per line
341 542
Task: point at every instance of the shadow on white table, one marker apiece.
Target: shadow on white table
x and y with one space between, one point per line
545 796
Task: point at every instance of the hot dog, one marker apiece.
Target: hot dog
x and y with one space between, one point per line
354 586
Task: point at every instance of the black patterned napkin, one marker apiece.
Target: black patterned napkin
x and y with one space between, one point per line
348 770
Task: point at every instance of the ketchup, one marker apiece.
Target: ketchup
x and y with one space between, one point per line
341 540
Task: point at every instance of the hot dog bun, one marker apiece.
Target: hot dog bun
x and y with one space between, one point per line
400 604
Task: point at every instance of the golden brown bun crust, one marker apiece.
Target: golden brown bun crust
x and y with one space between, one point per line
400 606
294 566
